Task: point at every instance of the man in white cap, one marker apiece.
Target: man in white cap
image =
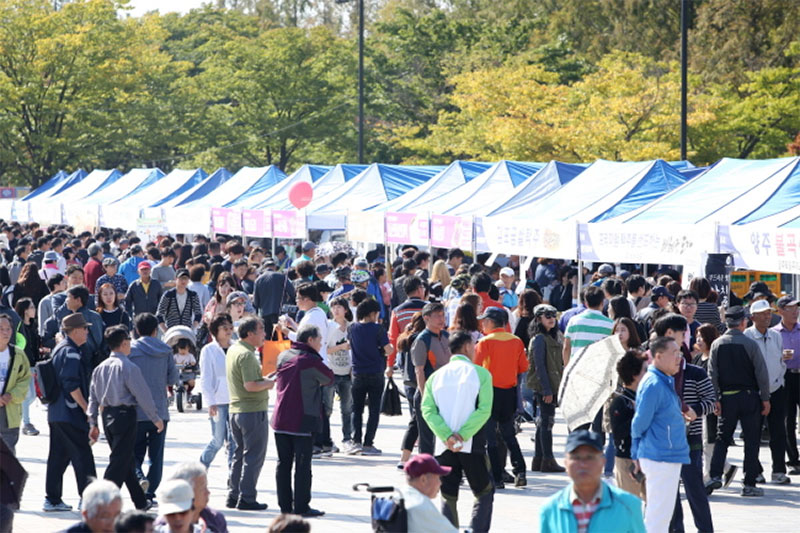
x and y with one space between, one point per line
771 344
507 296
176 503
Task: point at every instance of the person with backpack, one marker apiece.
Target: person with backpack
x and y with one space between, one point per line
404 344
66 416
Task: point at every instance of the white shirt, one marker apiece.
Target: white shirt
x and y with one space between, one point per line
455 387
341 361
771 345
5 361
213 382
317 317
423 516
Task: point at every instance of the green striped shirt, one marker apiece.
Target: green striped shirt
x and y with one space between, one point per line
587 328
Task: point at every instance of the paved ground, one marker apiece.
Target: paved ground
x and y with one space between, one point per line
515 509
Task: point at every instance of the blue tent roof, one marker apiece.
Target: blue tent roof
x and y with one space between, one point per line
307 173
50 185
220 176
377 184
493 183
454 175
785 197
246 182
334 179
729 190
129 183
174 183
92 183
549 178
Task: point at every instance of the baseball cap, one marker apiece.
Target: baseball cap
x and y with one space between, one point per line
507 271
735 313
760 306
50 256
175 496
181 272
361 262
342 272
144 265
496 314
424 463
584 437
308 246
787 300
605 268
75 320
759 287
322 268
659 291
235 295
109 261
359 276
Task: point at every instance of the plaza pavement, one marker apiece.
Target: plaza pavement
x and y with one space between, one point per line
347 511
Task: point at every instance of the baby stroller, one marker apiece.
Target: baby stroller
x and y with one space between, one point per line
187 372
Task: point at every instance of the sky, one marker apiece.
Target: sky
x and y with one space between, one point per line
163 6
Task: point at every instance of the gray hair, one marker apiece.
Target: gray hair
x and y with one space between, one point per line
733 324
306 332
189 471
98 493
247 326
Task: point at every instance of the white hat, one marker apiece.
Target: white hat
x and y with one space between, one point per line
507 271
175 496
759 306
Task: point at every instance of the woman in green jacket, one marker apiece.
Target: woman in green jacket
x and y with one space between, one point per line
15 377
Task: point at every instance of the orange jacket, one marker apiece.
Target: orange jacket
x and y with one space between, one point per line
503 354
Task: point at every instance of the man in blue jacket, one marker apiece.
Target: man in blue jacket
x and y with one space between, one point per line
587 504
659 446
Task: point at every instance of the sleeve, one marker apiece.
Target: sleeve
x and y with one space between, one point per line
251 368
139 389
419 352
322 373
129 299
257 288
207 377
760 367
43 314
646 403
620 420
173 376
522 358
480 353
198 311
70 372
20 389
93 407
383 338
479 416
288 293
430 413
163 305
394 333
50 331
540 364
705 391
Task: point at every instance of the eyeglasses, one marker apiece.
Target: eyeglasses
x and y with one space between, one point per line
549 314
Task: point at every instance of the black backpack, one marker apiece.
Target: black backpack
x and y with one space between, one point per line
45 380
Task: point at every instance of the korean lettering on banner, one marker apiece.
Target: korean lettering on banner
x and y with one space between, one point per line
762 248
718 273
644 243
451 232
256 223
406 228
219 220
530 237
148 228
289 224
365 226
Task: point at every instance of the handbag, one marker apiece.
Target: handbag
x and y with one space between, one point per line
270 351
390 401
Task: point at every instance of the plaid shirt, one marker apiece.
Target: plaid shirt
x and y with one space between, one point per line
584 511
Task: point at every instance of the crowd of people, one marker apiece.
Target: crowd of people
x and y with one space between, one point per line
480 348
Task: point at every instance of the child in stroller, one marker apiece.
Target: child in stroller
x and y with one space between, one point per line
182 341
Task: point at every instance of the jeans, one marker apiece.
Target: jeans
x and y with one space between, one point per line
544 428
293 450
150 441
366 385
68 444
610 452
220 432
412 431
743 407
119 425
343 385
250 434
26 404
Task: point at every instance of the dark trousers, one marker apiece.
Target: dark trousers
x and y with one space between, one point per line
367 390
119 425
475 467
792 403
425 433
504 406
151 442
412 431
293 450
544 428
743 407
692 477
776 423
250 432
68 444
269 323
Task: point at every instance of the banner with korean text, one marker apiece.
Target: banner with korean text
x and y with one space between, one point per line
556 240
762 247
256 223
451 232
678 244
365 226
289 224
227 221
407 228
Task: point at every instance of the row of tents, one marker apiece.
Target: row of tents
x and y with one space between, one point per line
588 208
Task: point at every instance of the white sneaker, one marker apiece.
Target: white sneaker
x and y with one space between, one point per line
781 479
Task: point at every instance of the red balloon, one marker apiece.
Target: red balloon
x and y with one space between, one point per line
300 194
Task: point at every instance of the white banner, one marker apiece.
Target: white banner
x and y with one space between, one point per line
47 212
365 226
189 220
762 248
118 216
515 236
645 243
6 208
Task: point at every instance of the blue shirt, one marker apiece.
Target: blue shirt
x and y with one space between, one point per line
367 340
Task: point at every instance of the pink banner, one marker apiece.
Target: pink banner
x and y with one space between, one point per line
256 223
451 232
228 221
407 228
289 224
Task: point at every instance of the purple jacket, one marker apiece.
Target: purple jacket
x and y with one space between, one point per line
301 376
